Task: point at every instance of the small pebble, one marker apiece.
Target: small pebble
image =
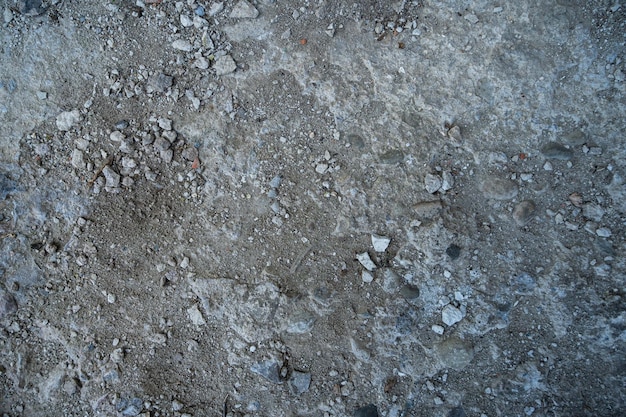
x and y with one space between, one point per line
367 411
523 212
66 120
432 183
603 232
112 177
365 260
186 21
554 150
182 45
447 181
367 277
121 125
299 382
547 166
451 315
224 65
437 329
8 305
380 243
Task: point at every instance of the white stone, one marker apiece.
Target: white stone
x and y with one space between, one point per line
432 183
117 136
604 232
451 315
201 63
195 316
165 124
367 277
66 120
78 161
437 329
244 10
182 45
321 168
186 21
365 260
380 243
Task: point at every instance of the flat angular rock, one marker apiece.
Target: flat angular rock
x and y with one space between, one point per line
451 315
244 10
365 260
299 382
224 65
380 243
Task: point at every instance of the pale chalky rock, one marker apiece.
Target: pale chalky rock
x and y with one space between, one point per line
451 315
244 10
380 243
66 120
365 260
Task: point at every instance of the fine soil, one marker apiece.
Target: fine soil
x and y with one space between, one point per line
312 208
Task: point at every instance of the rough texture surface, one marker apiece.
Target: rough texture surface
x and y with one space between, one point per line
312 208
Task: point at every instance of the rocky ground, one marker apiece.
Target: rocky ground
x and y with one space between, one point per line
312 208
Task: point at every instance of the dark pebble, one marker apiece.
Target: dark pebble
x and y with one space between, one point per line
7 304
393 156
554 150
453 251
367 411
409 292
457 412
121 125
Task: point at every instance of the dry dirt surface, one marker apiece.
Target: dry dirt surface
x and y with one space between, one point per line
312 208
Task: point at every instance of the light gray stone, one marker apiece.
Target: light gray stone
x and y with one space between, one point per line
451 315
224 65
244 10
68 119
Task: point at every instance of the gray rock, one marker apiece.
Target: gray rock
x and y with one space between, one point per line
457 412
604 232
66 120
8 305
299 382
190 153
269 370
112 177
554 150
160 83
432 183
498 188
593 212
380 243
129 407
182 45
523 212
447 181
224 65
365 260
161 144
369 410
300 322
451 315
244 10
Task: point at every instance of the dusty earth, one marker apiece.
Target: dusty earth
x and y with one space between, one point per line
312 208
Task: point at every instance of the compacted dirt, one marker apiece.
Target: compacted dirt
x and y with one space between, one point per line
312 208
